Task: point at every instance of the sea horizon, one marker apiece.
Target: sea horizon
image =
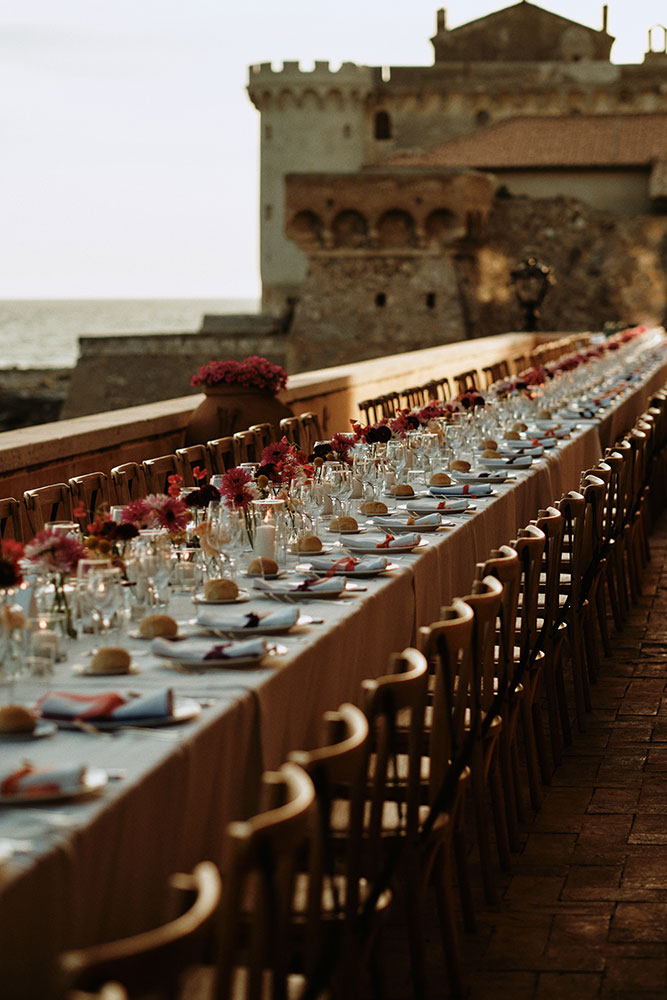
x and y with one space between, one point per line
43 332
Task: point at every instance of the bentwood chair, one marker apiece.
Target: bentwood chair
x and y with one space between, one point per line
261 855
467 380
10 520
416 396
47 503
264 435
224 454
128 482
246 447
292 429
330 894
154 961
158 471
312 431
575 609
495 372
195 456
90 493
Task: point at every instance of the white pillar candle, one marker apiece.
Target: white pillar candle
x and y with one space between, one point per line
265 541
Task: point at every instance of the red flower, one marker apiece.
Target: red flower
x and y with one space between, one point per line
237 489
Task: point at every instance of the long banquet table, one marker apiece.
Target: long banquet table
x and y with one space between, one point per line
96 868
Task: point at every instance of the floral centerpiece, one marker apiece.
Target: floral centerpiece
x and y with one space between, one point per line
157 510
11 553
56 555
253 372
237 491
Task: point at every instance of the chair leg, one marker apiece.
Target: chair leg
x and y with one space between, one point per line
552 706
462 872
481 813
448 930
499 814
534 776
601 608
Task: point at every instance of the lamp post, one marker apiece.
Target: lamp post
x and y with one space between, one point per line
531 280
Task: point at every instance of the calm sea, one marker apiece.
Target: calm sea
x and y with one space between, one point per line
43 333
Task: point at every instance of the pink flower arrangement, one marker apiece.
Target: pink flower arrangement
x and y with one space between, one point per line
157 511
253 372
237 489
50 552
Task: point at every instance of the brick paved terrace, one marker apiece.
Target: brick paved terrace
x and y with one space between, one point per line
583 913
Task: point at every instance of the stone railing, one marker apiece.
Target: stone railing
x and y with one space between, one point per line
52 453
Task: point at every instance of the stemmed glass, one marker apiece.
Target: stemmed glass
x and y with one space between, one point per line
106 595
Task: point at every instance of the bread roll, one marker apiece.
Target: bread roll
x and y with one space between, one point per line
459 465
262 567
374 507
16 719
491 453
110 660
154 625
220 589
520 426
440 479
513 436
544 415
309 543
402 490
490 443
343 524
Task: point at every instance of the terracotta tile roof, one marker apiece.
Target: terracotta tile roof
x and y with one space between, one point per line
558 141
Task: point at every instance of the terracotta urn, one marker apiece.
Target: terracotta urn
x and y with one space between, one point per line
228 408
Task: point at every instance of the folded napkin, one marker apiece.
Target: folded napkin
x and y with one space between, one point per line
220 618
481 478
528 449
399 523
30 780
466 490
373 564
326 585
201 650
66 706
432 505
361 543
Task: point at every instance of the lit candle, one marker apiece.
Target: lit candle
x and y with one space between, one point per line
265 541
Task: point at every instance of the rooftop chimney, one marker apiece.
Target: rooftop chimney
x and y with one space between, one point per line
605 12
441 22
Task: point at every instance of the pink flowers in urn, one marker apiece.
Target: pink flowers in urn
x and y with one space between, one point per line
253 372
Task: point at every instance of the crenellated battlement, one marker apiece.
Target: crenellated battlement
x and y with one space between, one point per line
321 72
349 82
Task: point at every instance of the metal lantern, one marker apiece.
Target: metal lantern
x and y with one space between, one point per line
531 280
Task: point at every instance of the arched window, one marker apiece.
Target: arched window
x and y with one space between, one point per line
382 125
305 228
350 229
396 228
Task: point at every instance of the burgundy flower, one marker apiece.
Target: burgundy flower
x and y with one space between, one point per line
237 489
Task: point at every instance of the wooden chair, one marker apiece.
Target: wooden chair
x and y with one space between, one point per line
493 373
575 611
128 482
10 520
224 454
519 364
467 380
395 705
260 860
193 457
47 503
264 435
416 396
158 470
292 429
91 492
333 893
311 430
246 447
503 563
154 960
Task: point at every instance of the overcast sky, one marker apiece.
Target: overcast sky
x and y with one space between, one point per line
129 148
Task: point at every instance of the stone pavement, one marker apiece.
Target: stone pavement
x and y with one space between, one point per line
584 912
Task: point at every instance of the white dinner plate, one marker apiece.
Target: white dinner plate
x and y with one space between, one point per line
361 572
520 462
239 630
476 478
241 598
397 525
85 670
94 780
228 663
183 710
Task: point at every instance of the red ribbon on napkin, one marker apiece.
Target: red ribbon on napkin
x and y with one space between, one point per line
347 564
442 505
98 706
388 539
12 783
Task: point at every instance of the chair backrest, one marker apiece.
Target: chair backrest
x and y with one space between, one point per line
312 430
496 371
246 446
573 508
519 363
529 545
415 396
128 482
158 470
48 503
449 647
292 429
260 855
91 493
550 521
154 959
467 380
400 692
195 456
224 454
485 600
10 520
264 435
337 769
503 563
